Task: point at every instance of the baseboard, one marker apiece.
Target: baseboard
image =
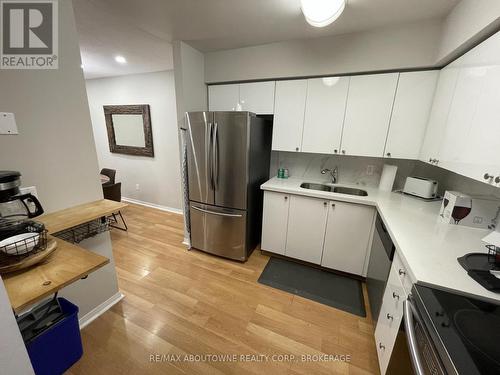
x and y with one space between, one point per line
99 310
153 205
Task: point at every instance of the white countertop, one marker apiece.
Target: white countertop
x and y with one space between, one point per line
428 248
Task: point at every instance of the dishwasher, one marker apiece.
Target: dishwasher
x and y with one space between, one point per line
381 256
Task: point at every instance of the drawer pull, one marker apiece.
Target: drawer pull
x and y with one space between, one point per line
395 296
381 346
390 317
402 272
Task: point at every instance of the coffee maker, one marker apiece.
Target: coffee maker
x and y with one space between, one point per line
16 209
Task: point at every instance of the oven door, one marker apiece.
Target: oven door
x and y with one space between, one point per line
414 351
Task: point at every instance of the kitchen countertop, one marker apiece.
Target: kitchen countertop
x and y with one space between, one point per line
83 213
428 248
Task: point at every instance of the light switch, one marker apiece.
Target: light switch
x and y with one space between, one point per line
8 123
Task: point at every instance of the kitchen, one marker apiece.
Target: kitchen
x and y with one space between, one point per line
368 162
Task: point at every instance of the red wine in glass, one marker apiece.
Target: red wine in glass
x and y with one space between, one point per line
460 213
445 203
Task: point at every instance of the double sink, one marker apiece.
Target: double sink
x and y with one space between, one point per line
334 189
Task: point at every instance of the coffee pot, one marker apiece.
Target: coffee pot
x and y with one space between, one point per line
15 207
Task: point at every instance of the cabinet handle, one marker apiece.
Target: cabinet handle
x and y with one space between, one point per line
402 272
395 296
389 154
325 204
389 316
333 205
343 152
488 176
381 346
286 197
335 151
296 149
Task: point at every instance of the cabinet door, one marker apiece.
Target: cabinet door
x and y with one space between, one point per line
306 228
412 105
223 97
257 97
368 112
348 232
289 106
275 222
436 126
324 116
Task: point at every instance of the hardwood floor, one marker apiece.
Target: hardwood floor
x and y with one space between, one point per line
181 302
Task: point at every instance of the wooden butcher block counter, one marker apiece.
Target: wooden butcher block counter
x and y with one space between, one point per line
67 264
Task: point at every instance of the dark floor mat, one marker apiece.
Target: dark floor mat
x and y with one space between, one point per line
315 284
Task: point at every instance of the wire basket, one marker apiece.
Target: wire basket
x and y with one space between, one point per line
493 254
83 231
32 238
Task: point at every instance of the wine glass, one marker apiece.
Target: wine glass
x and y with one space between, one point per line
462 209
445 203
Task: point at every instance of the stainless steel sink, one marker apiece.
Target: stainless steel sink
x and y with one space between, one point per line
334 189
313 186
350 191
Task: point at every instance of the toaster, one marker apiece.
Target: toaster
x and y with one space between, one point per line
421 187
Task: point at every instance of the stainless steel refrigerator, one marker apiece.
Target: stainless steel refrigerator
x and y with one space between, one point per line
227 160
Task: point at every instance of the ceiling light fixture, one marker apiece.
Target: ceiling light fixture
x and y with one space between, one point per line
320 13
120 59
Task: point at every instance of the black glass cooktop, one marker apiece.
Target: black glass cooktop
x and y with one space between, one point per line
469 329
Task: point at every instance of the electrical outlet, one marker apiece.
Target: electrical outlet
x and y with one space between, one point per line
137 187
369 170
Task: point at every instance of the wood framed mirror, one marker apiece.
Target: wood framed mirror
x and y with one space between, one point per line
129 129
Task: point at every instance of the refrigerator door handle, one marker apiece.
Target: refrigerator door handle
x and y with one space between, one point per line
215 213
210 155
215 156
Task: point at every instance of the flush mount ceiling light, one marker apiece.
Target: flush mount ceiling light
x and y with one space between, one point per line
120 59
320 13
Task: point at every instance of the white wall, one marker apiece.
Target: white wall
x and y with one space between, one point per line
409 46
158 177
468 22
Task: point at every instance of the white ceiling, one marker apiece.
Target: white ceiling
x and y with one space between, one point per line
142 30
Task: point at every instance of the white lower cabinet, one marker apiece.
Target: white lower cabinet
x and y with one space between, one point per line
306 228
275 222
347 237
390 318
320 231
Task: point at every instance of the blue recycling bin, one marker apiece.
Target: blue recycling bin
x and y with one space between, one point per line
57 348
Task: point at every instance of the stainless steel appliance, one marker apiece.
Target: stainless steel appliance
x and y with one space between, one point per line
447 333
228 159
381 256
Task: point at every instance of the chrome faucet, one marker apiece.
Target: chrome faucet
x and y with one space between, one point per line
333 172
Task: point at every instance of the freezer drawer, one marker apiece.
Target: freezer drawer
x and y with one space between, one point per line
219 231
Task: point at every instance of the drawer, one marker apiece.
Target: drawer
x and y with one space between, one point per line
389 321
402 273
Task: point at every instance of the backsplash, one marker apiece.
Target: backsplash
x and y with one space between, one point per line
363 171
366 171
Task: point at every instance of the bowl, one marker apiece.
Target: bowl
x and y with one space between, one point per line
20 244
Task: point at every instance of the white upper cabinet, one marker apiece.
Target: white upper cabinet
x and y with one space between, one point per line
436 126
306 228
412 105
324 114
347 238
257 97
223 97
368 112
289 107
